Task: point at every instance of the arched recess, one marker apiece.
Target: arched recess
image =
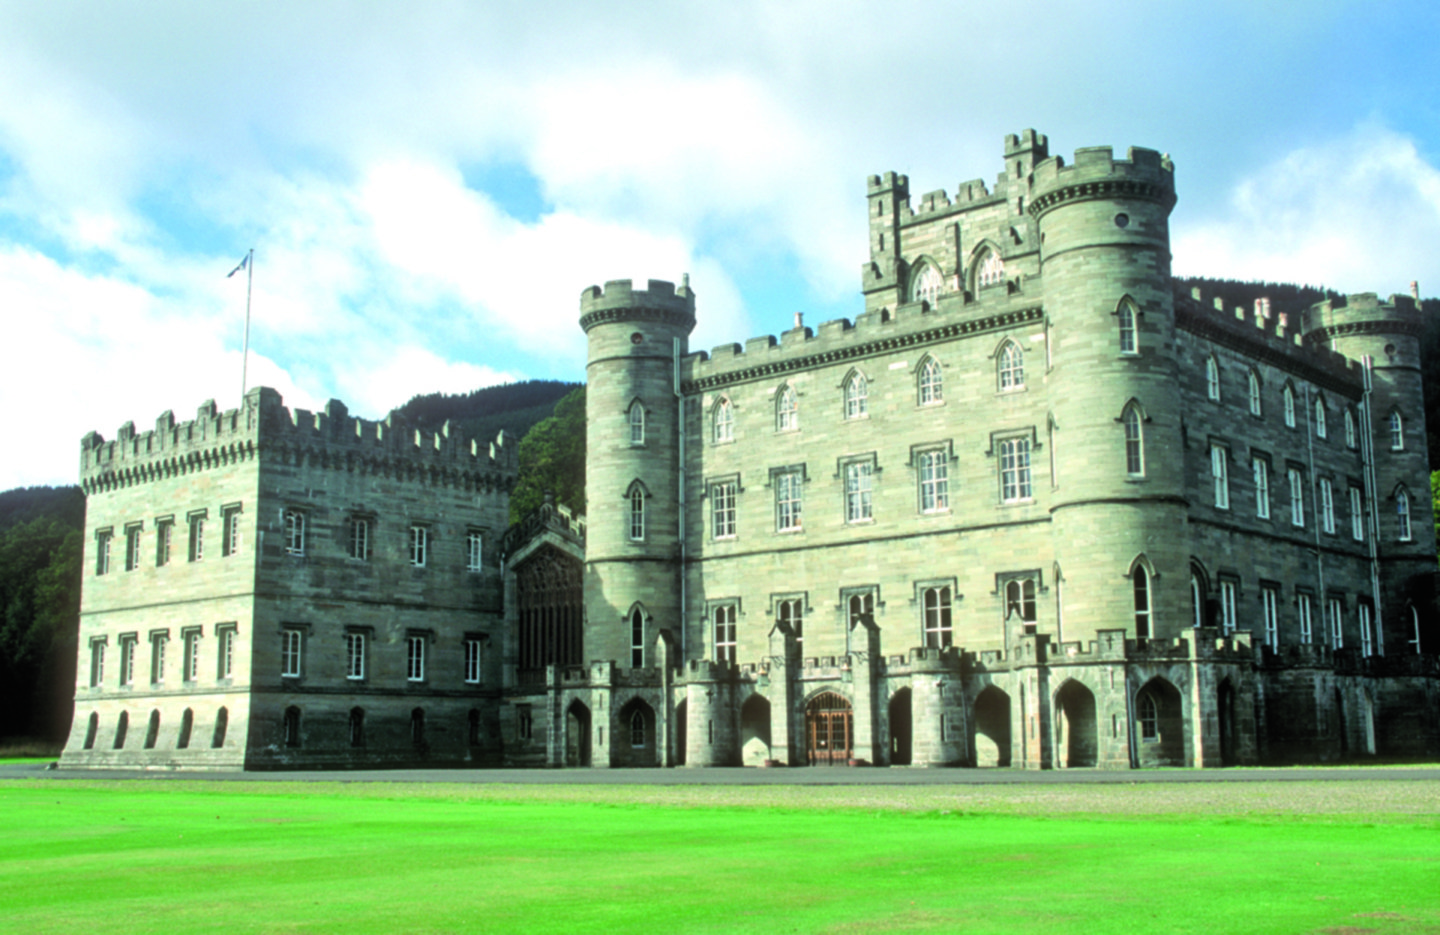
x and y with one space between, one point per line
787 409
290 726
187 724
577 734
829 730
1159 724
122 727
902 728
926 283
755 731
992 727
1076 737
633 736
986 267
222 725
152 730
682 711
91 729
357 727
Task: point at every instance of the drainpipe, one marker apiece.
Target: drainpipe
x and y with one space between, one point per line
1367 458
1315 500
680 435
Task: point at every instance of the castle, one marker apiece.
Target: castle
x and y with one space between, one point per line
1034 507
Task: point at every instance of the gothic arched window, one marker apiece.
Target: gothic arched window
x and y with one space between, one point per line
1141 581
1012 367
1134 441
1126 314
931 385
1320 429
1253 382
856 397
724 421
637 423
787 413
990 270
1397 432
1288 397
1212 378
927 285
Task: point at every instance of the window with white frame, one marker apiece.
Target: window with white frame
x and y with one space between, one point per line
637 639
723 617
359 544
1414 630
637 730
857 397
1126 316
787 410
1253 388
1304 611
1320 429
1134 441
230 531
97 661
637 513
355 656
474 659
164 535
1149 717
415 658
132 546
1261 468
225 635
197 537
291 642
1287 397
936 605
1349 428
1212 379
990 271
1220 475
1140 591
102 551
931 386
722 509
637 423
128 643
1367 631
419 545
1197 600
294 532
1402 516
1015 484
1011 367
934 481
787 500
1228 616
1270 609
190 664
1020 603
859 478
723 421
1327 506
157 657
927 285
474 550
1397 432
1297 497
1337 616
791 612
1357 516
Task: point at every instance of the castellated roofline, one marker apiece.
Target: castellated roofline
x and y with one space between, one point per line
1363 312
264 423
619 300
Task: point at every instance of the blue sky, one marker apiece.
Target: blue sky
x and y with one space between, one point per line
429 186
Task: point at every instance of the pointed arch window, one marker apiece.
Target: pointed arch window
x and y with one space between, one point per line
1212 379
1253 389
1402 515
1140 581
1149 718
1128 344
990 270
787 411
1197 600
637 423
857 393
637 639
938 631
1397 431
1320 429
724 421
637 513
1012 367
932 388
1349 428
1134 441
1288 397
927 285
637 729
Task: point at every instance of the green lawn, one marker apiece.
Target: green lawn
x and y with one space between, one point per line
176 857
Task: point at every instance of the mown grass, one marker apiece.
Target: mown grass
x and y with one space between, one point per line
194 856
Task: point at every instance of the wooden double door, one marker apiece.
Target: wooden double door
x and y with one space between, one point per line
829 730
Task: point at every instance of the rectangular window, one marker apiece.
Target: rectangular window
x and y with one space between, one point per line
1336 612
1228 621
936 604
294 532
360 538
787 500
1327 506
102 551
97 662
1357 516
157 657
419 545
225 663
197 537
524 722
164 534
1270 604
473 661
127 659
415 659
1219 473
724 617
1303 608
474 550
722 509
191 663
132 547
1020 603
858 478
290 644
1015 470
1297 497
1367 634
934 482
1262 488
355 656
230 531
637 639
637 513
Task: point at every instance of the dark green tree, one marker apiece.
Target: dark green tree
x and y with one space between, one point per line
552 458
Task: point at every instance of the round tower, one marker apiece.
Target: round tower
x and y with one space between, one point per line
632 465
1119 498
1361 326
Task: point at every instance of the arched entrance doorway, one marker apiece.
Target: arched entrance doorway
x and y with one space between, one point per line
901 728
1159 728
577 735
829 730
634 741
1075 741
755 731
992 728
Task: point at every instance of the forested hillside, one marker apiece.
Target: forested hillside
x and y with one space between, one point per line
514 407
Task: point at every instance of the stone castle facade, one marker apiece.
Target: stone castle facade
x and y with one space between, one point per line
1034 507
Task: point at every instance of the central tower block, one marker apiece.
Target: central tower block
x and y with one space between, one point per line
632 566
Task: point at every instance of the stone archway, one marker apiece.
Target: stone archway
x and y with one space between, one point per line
577 735
634 740
901 728
755 731
1076 743
1159 724
829 730
992 727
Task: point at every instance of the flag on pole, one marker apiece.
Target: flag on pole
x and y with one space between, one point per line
243 263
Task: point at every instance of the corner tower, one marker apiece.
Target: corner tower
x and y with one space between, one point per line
632 482
1105 261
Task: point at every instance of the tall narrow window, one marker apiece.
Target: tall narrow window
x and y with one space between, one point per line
787 501
1357 516
1012 367
474 550
132 547
724 421
197 537
927 285
1212 378
637 730
473 661
858 478
861 607
1015 470
355 656
164 533
637 514
1270 606
357 727
1020 603
360 538
1402 516
292 726
1397 432
1127 328
722 509
637 639
290 643
187 725
230 531
792 613
294 532
857 392
1349 428
1303 610
1320 429
934 482
990 271
1219 475
1337 617
191 662
938 631
931 383
787 411
157 657
97 662
1140 582
415 659
1149 718
1414 630
1228 619
637 423
1197 601
127 659
225 663
1327 506
102 551
1134 441
1287 397
419 546
1262 487
222 725
1254 393
1297 497
1367 632
725 633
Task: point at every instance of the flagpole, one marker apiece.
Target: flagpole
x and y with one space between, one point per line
245 356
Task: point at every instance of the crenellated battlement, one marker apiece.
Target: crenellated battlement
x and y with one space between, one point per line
619 300
264 425
1096 173
1361 313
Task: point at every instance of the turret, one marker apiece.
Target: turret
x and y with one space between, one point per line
879 277
632 464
